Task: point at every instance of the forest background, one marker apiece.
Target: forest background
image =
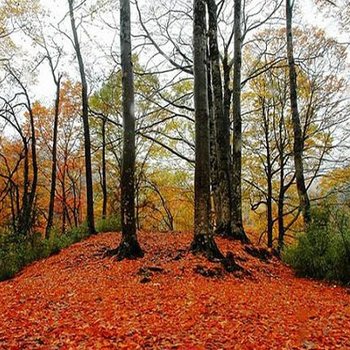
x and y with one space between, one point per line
41 93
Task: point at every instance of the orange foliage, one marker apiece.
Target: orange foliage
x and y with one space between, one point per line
80 300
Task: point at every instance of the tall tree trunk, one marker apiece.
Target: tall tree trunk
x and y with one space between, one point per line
129 247
227 67
34 185
203 241
78 206
85 115
26 220
137 200
237 222
104 172
269 207
22 219
298 146
268 171
12 207
222 127
281 207
64 201
54 160
75 205
214 180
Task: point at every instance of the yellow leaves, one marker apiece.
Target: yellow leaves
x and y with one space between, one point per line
336 178
165 195
18 8
11 12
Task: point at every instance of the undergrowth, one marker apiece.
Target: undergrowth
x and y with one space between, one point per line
109 224
18 251
323 252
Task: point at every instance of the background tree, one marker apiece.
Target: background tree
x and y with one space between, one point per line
220 130
269 168
298 146
237 223
85 116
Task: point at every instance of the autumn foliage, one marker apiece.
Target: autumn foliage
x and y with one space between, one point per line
80 299
217 144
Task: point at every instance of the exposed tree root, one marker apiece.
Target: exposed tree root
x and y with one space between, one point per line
129 248
206 246
239 234
260 253
223 230
236 233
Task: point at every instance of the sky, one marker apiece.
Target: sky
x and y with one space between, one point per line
98 63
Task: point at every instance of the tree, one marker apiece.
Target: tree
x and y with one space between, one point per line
57 80
298 146
14 15
203 241
129 247
26 220
10 112
15 185
85 116
220 129
238 230
70 157
70 187
175 60
268 147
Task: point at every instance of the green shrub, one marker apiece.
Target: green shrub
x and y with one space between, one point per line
17 251
9 260
323 252
109 224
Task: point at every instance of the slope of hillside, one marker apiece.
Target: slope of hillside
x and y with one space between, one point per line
80 299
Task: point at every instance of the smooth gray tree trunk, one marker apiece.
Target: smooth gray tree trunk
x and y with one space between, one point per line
214 179
221 128
85 116
129 247
203 241
54 158
104 170
237 222
27 215
298 146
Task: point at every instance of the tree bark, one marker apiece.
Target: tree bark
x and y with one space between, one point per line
129 247
269 175
227 67
22 219
282 187
237 222
203 241
85 116
33 188
222 127
64 200
281 193
29 192
26 217
104 172
214 180
54 160
298 146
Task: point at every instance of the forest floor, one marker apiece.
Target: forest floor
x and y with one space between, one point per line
79 299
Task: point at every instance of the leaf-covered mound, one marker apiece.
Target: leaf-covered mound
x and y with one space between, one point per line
83 299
